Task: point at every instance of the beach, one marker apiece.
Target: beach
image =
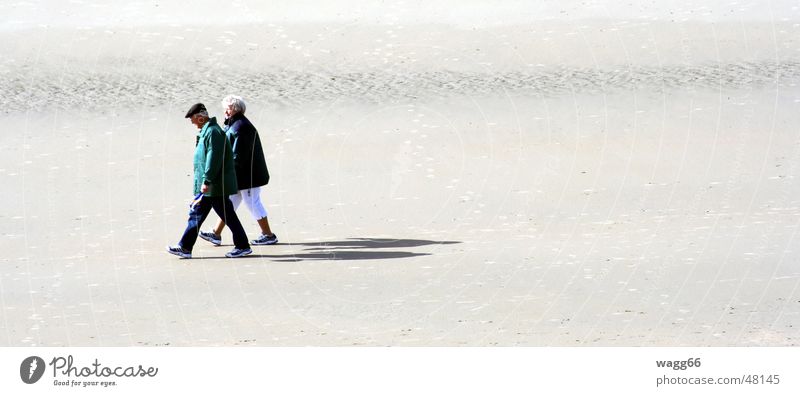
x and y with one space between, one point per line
618 180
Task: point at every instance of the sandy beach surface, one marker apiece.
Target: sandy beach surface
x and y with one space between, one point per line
620 177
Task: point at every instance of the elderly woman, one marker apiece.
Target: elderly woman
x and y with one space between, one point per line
251 170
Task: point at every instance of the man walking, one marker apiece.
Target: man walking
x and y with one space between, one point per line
214 181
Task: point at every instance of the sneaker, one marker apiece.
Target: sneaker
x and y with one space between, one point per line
238 253
265 240
179 251
210 236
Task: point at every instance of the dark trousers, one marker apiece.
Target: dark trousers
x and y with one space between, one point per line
224 209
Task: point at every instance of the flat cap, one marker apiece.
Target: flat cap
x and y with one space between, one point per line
196 108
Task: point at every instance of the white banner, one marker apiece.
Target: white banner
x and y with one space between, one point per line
399 371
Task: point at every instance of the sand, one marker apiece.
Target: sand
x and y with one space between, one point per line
614 181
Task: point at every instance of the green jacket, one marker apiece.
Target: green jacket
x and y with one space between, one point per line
213 162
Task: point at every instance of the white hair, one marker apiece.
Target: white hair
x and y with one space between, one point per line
236 103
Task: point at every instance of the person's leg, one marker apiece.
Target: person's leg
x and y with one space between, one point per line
264 224
197 215
252 198
219 227
236 200
225 211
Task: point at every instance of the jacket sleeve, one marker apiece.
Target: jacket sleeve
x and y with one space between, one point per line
233 137
215 149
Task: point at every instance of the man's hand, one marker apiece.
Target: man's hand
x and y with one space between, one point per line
204 188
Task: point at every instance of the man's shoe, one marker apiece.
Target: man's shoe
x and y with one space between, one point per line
210 236
179 251
238 253
265 240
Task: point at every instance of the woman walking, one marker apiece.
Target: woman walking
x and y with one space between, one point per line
251 171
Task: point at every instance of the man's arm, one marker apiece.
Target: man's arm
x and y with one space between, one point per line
215 149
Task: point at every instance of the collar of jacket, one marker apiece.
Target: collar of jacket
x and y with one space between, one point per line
211 121
234 118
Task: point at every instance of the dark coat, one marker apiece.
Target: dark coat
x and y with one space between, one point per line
248 156
213 162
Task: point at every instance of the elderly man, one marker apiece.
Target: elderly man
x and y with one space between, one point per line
251 171
214 181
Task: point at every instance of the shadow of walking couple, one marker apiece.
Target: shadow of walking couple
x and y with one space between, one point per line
354 249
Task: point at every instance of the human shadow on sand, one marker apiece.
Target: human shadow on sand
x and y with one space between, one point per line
349 249
369 243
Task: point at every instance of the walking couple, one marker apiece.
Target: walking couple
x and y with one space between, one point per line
229 168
